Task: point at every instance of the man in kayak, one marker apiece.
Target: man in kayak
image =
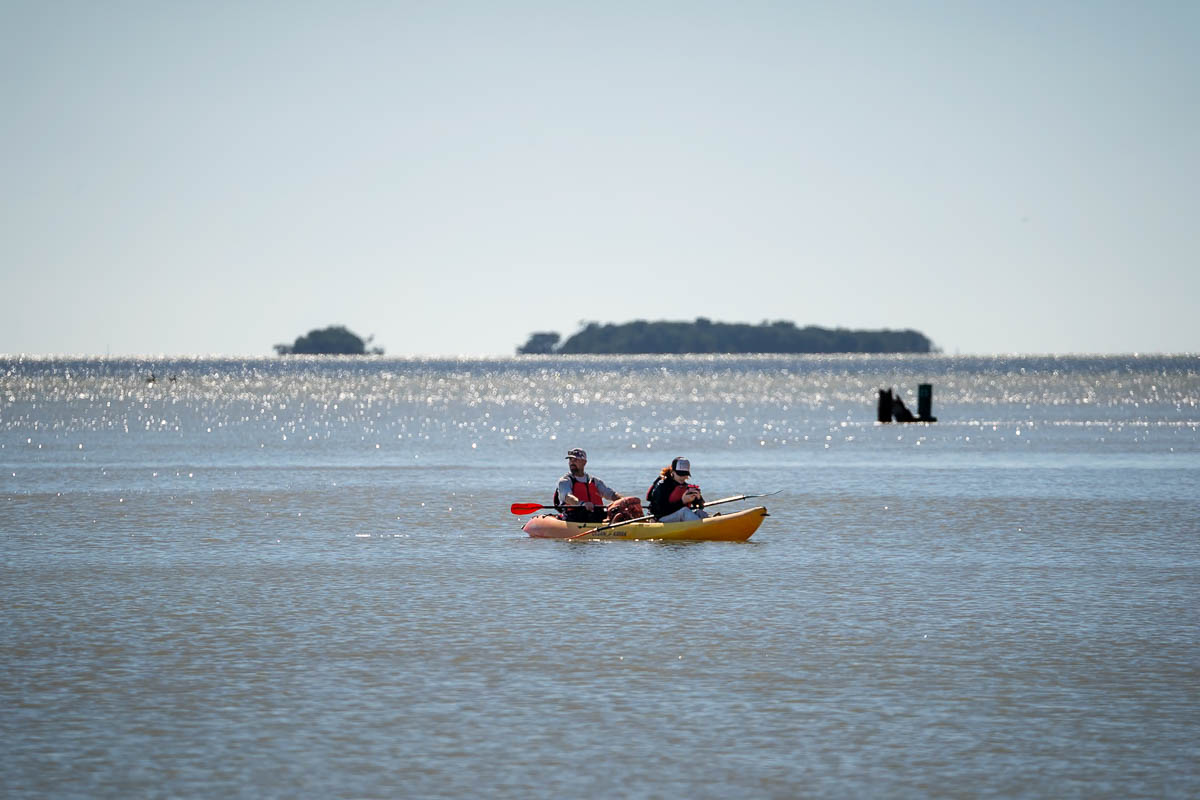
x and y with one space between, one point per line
580 495
672 498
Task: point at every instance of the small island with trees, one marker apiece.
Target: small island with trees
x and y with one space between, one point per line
334 340
706 336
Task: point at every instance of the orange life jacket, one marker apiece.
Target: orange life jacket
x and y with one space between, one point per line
587 494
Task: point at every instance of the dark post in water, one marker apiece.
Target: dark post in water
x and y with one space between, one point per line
885 405
891 406
925 403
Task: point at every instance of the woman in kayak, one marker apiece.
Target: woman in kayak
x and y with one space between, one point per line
672 498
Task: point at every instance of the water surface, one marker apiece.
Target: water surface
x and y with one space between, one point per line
299 577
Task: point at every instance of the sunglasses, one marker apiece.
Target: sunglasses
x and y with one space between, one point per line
683 474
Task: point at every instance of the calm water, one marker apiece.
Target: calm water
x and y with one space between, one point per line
301 579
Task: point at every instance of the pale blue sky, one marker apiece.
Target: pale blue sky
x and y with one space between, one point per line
216 177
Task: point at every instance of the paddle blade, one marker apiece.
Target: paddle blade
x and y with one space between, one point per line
526 508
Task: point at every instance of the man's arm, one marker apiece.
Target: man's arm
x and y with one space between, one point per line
605 492
564 493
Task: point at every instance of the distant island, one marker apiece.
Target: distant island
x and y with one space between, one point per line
334 340
706 336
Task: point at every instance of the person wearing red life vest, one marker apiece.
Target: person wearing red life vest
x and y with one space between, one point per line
579 495
672 498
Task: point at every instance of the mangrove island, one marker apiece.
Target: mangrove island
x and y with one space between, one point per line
706 336
335 340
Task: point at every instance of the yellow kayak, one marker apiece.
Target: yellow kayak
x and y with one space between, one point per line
736 527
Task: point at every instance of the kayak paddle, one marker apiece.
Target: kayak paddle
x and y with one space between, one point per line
608 526
738 497
529 508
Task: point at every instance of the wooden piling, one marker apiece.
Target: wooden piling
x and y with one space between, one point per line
925 403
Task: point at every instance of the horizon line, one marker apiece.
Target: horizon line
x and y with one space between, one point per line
546 356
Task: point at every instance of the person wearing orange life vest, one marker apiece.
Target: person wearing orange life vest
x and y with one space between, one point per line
581 496
672 498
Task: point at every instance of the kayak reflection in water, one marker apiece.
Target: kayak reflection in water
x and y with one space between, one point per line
582 495
672 498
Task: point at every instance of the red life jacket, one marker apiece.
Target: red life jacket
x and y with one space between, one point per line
673 501
588 493
676 495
